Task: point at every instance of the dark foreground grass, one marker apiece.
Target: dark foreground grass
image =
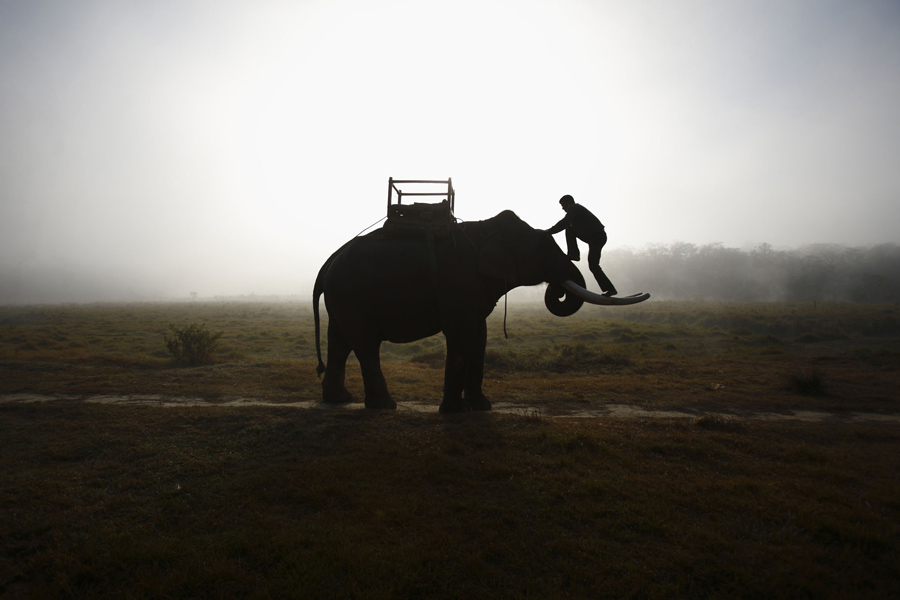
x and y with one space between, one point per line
207 502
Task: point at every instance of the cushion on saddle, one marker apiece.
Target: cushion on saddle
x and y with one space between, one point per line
414 220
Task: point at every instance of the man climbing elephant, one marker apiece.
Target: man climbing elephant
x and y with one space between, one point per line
581 224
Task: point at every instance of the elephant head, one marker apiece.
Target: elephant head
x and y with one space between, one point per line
512 251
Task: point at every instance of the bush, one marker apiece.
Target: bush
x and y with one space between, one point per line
192 345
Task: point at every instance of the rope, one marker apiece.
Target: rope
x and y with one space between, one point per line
370 227
505 306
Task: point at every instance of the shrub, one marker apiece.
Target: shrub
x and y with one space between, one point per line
192 345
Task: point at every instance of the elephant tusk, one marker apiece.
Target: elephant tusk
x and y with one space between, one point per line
592 298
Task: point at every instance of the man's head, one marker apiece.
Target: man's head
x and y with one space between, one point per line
566 201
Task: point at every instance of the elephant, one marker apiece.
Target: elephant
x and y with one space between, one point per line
380 287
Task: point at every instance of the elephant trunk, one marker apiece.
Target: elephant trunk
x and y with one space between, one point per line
561 301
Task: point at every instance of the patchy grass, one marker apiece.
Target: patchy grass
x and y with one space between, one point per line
693 356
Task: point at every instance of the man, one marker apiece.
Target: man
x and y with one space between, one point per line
581 224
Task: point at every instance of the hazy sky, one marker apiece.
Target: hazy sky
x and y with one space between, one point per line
157 148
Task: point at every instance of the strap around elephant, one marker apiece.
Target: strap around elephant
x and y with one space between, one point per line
432 261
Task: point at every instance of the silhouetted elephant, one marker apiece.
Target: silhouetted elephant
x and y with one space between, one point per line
379 287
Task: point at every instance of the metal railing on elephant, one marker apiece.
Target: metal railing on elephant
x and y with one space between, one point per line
418 185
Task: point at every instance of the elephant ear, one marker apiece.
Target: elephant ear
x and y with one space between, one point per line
496 262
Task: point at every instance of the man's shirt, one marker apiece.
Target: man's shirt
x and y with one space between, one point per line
582 222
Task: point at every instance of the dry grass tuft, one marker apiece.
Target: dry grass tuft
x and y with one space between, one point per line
716 422
808 382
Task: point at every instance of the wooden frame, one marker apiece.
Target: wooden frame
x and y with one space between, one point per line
449 195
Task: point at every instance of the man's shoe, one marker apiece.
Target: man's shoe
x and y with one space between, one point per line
611 292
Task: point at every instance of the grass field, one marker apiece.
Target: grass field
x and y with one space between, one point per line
780 481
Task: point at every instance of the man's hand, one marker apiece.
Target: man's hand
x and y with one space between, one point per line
574 256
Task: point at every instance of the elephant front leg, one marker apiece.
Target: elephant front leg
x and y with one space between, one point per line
464 371
377 395
333 388
454 379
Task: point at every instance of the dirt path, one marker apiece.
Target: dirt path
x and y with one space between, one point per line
616 411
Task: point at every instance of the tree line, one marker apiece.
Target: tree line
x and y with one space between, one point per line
821 272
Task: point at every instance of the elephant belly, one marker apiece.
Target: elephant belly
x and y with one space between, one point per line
384 290
373 312
405 322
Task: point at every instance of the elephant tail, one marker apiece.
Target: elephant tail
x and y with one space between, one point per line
318 290
317 293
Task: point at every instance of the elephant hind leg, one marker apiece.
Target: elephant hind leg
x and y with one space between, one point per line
333 389
377 395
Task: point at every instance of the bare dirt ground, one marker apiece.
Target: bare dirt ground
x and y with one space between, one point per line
615 411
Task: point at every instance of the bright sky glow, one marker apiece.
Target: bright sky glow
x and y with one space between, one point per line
230 147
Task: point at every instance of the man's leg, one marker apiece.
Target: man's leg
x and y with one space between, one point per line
596 247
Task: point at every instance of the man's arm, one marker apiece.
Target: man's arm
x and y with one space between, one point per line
563 223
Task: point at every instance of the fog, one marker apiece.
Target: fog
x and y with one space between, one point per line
821 272
149 150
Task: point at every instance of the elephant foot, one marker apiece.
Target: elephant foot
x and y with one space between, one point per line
452 406
380 402
341 396
478 402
